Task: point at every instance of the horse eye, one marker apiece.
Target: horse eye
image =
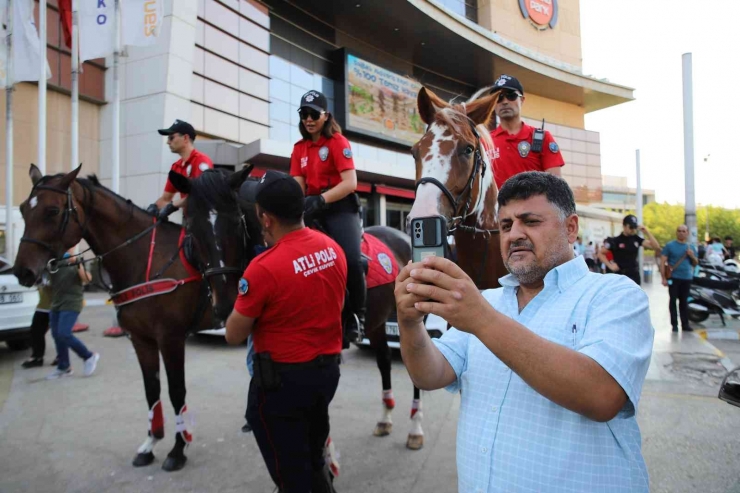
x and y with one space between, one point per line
51 211
469 150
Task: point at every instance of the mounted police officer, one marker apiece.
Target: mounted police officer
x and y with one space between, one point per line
180 138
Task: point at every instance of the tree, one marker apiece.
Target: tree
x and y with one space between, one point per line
662 219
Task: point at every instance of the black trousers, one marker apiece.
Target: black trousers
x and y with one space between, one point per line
678 289
633 274
291 425
39 328
342 222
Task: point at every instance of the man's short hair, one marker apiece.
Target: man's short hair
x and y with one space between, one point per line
728 237
532 183
276 193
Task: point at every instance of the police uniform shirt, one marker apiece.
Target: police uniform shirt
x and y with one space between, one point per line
321 163
625 249
512 154
295 290
196 164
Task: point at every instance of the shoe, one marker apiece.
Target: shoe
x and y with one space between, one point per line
114 332
675 328
246 428
91 363
33 363
55 362
687 329
56 374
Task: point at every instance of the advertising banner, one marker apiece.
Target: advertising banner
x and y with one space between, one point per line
381 103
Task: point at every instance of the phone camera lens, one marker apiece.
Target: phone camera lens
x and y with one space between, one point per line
418 235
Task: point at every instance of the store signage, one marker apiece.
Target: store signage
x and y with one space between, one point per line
381 103
541 13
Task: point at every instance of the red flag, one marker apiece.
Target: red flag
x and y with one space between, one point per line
65 17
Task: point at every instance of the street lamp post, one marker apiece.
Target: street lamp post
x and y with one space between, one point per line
706 232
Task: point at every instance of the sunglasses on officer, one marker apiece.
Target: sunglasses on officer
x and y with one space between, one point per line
509 95
171 137
304 113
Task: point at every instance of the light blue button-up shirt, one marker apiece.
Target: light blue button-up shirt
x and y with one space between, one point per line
512 439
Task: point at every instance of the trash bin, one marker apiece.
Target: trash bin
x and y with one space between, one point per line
647 274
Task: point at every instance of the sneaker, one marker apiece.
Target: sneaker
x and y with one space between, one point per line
56 374
675 328
33 363
91 363
687 329
246 428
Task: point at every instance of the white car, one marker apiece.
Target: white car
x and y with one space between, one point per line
435 327
17 306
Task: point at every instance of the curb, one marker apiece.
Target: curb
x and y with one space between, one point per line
703 336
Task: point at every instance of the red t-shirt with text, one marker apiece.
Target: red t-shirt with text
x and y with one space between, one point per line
512 154
196 164
295 290
321 163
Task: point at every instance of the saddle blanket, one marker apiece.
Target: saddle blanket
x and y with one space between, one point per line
382 266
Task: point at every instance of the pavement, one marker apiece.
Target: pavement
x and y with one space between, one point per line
80 434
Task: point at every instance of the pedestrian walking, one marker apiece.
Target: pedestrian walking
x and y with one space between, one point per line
626 247
40 326
568 421
589 254
290 300
677 262
66 305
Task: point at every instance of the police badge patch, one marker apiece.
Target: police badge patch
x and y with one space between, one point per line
324 153
385 262
554 147
347 153
243 286
524 148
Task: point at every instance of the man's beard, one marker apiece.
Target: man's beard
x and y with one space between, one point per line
533 272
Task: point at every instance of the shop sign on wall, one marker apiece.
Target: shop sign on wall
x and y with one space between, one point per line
542 14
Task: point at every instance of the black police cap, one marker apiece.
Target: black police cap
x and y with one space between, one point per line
508 82
179 127
314 100
630 220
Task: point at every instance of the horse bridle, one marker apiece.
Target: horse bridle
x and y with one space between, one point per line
217 271
460 214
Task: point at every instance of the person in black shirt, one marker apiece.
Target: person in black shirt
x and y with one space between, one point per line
730 249
625 248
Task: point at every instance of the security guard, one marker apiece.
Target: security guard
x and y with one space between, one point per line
519 147
290 300
625 248
322 163
180 138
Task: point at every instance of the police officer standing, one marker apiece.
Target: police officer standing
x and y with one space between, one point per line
519 147
290 300
626 247
180 138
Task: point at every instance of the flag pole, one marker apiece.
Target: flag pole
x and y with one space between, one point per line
41 150
75 131
9 244
116 164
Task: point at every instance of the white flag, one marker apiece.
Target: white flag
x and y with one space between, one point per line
142 21
97 28
26 52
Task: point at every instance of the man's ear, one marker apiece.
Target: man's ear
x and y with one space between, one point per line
571 226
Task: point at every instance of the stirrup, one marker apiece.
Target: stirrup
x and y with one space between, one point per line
355 329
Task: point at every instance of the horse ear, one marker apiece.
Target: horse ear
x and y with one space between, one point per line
35 174
181 183
481 110
236 179
429 104
69 178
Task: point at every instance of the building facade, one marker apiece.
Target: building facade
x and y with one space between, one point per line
236 70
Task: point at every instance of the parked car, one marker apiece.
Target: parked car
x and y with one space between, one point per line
17 306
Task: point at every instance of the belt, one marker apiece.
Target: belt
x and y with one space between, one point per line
318 362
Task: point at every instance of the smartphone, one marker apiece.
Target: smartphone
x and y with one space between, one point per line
428 237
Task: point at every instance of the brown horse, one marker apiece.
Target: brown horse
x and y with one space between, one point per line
210 197
60 211
454 176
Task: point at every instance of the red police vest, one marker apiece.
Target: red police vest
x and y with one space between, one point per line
321 163
295 290
512 154
196 164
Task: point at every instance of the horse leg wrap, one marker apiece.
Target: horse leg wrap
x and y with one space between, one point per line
388 401
182 420
415 407
156 421
331 457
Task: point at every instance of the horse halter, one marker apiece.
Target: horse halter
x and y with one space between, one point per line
69 211
460 214
217 271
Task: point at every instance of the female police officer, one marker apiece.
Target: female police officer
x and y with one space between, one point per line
322 163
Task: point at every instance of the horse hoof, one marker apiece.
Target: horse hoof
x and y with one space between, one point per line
142 460
415 442
383 429
174 463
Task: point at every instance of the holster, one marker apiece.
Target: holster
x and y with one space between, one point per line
266 375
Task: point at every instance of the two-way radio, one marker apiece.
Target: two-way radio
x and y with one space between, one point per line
538 138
